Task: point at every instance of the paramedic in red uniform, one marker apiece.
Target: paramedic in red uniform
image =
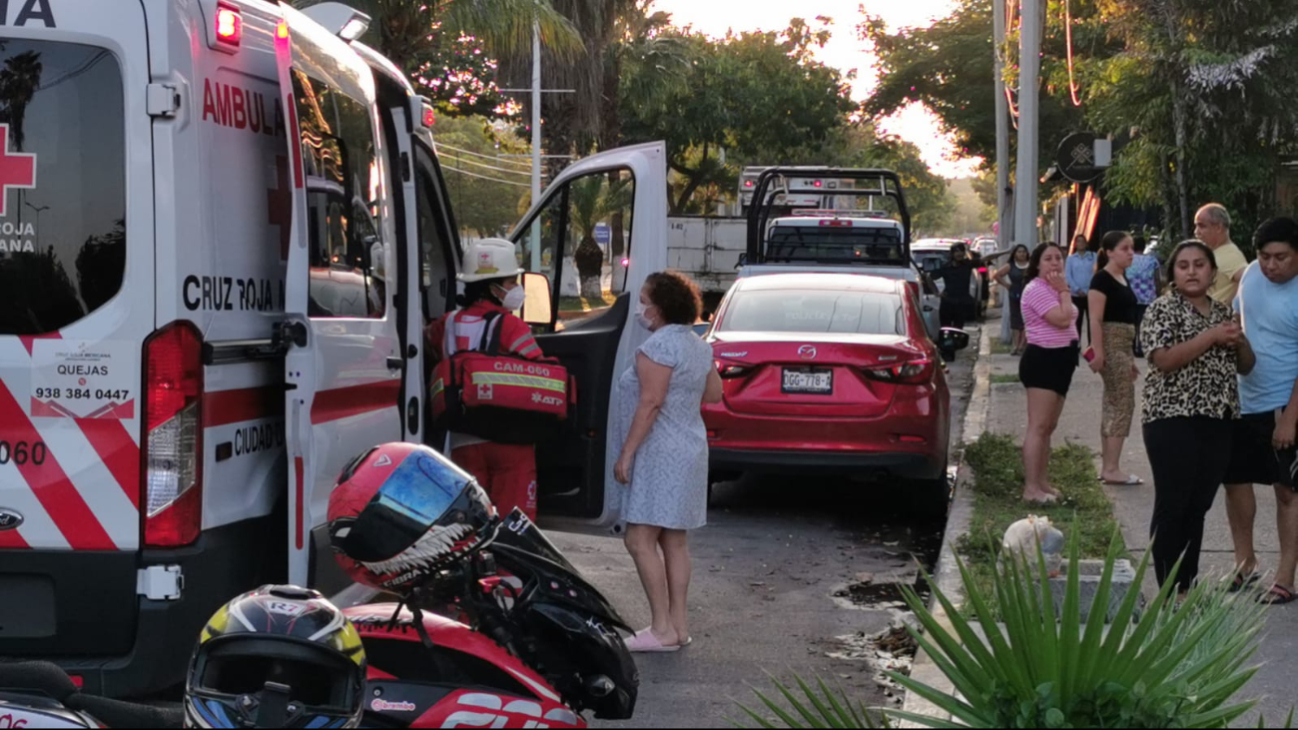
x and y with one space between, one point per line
506 471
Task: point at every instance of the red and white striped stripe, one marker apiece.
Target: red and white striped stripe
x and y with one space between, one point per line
86 494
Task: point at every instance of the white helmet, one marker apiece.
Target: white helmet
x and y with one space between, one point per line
490 258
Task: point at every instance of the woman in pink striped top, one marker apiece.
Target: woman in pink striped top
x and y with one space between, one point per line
1048 365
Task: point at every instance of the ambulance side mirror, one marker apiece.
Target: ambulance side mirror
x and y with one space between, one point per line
538 307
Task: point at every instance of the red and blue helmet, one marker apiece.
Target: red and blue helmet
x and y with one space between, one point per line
400 512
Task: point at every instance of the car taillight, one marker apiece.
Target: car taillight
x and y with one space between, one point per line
172 492
916 372
731 370
229 24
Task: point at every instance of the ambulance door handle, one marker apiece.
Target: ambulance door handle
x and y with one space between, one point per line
396 364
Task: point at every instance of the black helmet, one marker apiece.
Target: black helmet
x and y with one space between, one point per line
401 511
280 656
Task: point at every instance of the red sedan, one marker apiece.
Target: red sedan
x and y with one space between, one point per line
830 373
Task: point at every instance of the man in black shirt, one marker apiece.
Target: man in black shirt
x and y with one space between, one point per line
958 303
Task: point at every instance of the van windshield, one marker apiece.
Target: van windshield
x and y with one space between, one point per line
835 244
62 184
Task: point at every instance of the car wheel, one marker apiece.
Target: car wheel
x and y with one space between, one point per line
931 499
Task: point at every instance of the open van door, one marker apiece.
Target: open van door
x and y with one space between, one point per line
344 361
597 233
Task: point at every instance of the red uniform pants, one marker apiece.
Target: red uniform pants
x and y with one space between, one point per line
506 471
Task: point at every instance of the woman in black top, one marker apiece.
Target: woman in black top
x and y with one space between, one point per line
1113 310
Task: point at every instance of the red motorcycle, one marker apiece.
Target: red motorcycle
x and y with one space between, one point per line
530 642
535 646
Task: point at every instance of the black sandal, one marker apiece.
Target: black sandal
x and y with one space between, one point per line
1244 582
1278 596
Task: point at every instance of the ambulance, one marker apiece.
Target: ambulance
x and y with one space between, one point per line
223 228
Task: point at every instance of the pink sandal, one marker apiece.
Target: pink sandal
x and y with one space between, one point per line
646 643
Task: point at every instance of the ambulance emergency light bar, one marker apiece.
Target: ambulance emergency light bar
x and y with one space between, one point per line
344 22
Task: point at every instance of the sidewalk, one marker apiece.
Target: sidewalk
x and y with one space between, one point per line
1134 505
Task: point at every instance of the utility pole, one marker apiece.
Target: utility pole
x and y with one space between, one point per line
1025 187
536 142
1004 194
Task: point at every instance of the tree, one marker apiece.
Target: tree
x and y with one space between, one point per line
448 45
486 188
860 144
593 200
754 95
948 68
1202 90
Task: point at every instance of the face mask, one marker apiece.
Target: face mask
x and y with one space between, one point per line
642 316
514 299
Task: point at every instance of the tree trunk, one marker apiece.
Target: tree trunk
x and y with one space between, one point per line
590 268
1179 122
1169 198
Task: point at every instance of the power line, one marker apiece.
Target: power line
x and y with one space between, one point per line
1068 32
494 158
458 160
485 177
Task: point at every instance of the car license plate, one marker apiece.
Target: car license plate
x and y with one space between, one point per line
807 380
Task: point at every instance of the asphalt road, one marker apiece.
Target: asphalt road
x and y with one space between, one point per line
767 569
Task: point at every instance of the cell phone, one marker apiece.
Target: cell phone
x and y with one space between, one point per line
1089 354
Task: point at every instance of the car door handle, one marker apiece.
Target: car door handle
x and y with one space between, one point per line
396 363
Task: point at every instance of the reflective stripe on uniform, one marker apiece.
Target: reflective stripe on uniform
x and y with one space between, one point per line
437 387
525 381
520 342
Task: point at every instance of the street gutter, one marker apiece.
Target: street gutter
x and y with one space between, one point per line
946 576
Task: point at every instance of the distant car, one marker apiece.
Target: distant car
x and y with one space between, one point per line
986 246
830 373
935 253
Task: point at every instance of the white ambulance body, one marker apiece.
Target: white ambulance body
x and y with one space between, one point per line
223 229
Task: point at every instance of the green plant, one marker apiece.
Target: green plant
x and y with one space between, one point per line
1179 664
821 707
1006 379
997 464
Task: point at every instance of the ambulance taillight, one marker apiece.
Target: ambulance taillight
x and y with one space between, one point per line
229 25
172 492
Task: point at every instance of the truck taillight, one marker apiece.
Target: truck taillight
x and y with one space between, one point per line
172 492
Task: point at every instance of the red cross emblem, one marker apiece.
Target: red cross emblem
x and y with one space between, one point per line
279 205
17 169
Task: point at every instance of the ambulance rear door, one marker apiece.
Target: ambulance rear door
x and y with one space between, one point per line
345 362
616 203
76 307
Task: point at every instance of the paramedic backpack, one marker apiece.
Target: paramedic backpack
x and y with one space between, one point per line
498 396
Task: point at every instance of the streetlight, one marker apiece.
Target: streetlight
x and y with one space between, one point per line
39 210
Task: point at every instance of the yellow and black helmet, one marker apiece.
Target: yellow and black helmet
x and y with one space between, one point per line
280 656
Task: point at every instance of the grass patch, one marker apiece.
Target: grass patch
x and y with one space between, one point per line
577 305
1001 348
997 464
1006 379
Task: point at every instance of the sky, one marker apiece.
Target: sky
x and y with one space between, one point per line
915 124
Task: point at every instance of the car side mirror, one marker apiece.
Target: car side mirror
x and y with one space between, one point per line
538 306
743 261
953 340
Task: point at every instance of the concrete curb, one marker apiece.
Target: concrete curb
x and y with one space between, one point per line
946 575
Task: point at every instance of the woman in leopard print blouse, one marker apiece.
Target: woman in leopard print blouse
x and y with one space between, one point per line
1197 351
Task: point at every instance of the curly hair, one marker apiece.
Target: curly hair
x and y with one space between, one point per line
676 296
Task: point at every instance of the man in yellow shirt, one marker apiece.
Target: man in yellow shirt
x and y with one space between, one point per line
1212 226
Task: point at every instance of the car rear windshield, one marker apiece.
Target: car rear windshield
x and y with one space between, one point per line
63 169
838 244
814 312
